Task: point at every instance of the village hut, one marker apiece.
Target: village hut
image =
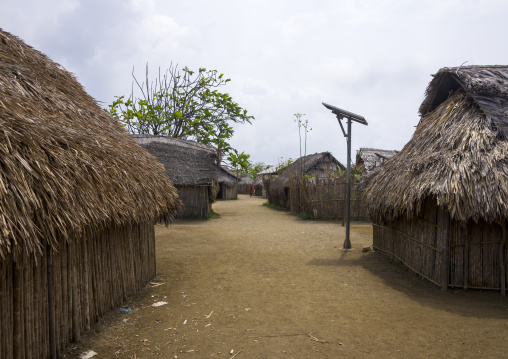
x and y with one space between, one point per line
440 205
243 184
258 187
228 183
368 159
314 168
192 167
270 173
78 203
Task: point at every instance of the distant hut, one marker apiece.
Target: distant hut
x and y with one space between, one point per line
316 167
270 173
440 205
228 182
368 159
258 187
78 203
192 167
243 185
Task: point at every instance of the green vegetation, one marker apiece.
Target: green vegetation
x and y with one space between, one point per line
274 206
182 104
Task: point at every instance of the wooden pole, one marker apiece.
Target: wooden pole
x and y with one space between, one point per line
502 265
18 342
51 302
84 250
445 261
74 288
466 257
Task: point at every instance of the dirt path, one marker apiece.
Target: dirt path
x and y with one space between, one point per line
260 283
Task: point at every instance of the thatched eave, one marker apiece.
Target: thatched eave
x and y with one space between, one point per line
66 165
455 158
487 85
187 163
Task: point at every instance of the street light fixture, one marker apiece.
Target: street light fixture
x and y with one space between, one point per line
341 114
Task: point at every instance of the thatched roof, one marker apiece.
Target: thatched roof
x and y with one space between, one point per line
273 169
226 176
455 156
487 85
187 163
258 182
300 167
370 157
245 180
66 165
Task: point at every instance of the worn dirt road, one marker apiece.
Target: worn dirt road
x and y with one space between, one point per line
261 283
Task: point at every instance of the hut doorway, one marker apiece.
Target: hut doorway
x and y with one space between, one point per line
222 190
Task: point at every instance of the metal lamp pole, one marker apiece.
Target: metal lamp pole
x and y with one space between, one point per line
341 114
347 242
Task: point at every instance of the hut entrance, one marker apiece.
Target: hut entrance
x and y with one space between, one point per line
222 190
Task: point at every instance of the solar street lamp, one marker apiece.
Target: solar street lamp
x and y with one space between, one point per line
343 114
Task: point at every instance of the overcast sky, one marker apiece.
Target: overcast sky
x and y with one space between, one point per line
373 58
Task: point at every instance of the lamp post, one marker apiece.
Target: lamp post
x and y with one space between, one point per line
341 114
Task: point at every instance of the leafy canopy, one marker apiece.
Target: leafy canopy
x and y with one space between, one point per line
182 104
240 161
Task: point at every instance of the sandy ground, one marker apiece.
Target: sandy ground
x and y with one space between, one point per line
262 283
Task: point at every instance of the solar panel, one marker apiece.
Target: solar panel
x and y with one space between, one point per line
343 113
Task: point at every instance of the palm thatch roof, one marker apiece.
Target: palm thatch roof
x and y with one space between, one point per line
303 166
226 176
458 154
274 169
66 165
368 159
245 180
487 85
258 182
187 163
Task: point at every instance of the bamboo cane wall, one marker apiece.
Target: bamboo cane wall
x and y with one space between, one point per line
325 199
88 278
229 192
196 201
447 252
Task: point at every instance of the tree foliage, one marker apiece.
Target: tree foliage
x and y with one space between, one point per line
254 169
239 161
181 104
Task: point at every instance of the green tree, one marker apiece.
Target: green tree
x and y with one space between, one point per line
240 161
182 104
254 169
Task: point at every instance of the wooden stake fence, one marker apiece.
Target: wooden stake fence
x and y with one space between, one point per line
48 300
324 198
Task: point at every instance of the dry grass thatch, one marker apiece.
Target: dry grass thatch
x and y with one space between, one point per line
367 158
487 85
299 168
187 163
455 156
65 164
226 176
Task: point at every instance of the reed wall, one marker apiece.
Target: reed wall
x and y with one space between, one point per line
446 252
324 198
49 300
196 201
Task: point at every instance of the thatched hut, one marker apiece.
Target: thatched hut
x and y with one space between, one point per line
228 183
440 205
243 184
313 168
258 187
367 159
78 203
192 167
